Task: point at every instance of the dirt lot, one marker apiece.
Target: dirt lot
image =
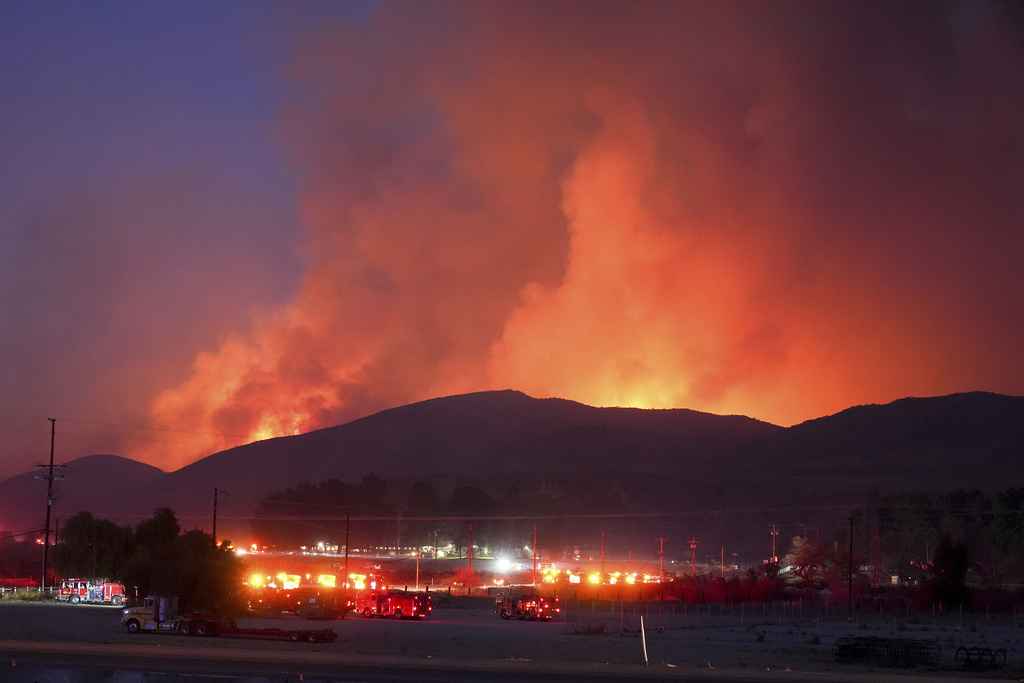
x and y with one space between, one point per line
723 640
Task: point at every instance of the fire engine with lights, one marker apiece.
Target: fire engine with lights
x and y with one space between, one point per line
309 596
528 607
78 591
159 614
397 604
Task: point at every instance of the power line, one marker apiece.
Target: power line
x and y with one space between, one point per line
121 436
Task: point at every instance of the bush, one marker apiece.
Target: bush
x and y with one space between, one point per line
26 595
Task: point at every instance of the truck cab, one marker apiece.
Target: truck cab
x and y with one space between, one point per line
156 613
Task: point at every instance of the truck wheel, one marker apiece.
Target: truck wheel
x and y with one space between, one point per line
116 600
204 628
505 614
398 614
133 626
186 629
312 638
294 635
75 599
367 612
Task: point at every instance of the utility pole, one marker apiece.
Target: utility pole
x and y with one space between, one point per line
849 575
661 558
49 503
534 554
876 543
774 533
348 518
216 492
693 557
602 555
470 552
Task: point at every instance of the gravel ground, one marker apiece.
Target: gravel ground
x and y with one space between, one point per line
674 637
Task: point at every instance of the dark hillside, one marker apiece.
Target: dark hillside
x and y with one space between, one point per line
962 440
100 484
637 473
471 436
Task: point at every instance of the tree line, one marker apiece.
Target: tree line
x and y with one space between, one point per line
362 514
943 545
989 529
154 557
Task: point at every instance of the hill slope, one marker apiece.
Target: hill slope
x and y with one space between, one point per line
675 472
98 483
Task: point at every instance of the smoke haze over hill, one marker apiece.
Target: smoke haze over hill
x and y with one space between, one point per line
304 214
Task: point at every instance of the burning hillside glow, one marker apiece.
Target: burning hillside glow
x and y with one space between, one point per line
697 205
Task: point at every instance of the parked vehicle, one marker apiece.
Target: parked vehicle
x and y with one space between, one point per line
77 591
308 602
397 604
159 614
528 607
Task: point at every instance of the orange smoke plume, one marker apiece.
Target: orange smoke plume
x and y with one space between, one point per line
641 204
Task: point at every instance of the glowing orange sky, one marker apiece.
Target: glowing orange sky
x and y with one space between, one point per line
778 210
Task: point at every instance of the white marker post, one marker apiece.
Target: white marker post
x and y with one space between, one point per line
643 638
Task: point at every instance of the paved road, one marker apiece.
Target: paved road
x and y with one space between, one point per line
84 644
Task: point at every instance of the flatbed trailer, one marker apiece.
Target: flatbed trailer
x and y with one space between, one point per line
159 616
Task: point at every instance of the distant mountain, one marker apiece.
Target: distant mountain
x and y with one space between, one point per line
941 443
98 483
677 473
490 432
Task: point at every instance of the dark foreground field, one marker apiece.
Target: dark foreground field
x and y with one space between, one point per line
472 643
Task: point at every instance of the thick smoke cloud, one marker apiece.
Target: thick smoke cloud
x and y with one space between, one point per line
775 209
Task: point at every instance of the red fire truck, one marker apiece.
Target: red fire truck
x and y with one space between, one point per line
397 604
527 607
309 602
80 590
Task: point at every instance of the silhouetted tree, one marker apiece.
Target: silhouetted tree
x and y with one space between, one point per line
470 501
192 567
422 501
306 514
159 531
947 584
91 548
991 529
467 503
813 561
